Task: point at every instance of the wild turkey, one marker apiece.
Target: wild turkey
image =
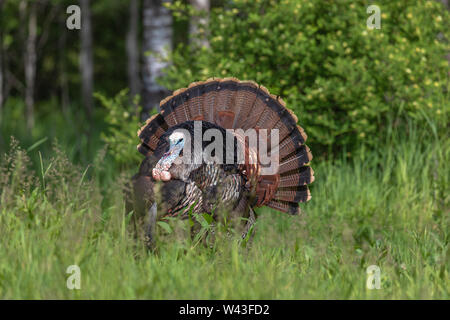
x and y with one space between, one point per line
239 186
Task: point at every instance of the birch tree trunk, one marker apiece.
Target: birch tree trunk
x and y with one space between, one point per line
133 49
157 21
197 33
86 57
30 66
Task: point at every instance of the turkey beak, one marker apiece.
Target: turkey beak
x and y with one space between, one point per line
161 170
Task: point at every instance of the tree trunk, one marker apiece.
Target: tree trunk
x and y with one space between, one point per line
197 23
86 57
157 21
30 66
63 82
133 49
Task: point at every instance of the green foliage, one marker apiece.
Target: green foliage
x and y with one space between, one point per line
348 84
123 124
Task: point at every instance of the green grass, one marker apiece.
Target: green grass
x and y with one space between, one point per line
387 208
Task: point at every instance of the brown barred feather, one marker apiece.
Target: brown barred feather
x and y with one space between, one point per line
300 194
302 176
244 103
151 132
284 206
298 159
254 115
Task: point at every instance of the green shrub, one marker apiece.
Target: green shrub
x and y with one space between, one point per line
123 125
348 84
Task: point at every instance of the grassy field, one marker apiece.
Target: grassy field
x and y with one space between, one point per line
387 208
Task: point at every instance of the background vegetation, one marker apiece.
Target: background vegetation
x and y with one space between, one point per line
374 104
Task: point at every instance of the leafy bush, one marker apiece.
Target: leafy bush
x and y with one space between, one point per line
123 125
347 83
